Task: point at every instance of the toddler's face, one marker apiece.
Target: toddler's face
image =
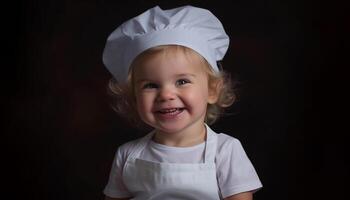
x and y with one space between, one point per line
171 91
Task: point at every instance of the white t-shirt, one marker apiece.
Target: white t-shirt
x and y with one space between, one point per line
235 172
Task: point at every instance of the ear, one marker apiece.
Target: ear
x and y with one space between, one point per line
214 89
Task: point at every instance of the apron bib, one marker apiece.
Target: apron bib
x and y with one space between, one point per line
172 181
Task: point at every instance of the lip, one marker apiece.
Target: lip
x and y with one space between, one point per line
169 113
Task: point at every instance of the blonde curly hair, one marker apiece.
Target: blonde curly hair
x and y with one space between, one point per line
124 94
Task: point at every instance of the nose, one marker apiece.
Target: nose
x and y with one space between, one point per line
166 94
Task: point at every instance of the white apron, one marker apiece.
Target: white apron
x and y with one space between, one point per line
172 181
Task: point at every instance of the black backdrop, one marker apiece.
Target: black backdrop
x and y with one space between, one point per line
62 134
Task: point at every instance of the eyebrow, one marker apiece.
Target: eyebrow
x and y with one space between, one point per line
177 76
189 74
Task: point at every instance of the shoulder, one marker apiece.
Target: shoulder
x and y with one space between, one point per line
126 149
227 142
229 148
224 140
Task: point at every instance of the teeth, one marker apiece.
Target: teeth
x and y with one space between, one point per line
169 110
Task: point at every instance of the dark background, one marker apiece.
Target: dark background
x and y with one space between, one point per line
61 133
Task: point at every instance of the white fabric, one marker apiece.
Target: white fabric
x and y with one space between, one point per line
234 171
189 26
174 181
161 153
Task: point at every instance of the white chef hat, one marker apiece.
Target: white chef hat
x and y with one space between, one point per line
192 27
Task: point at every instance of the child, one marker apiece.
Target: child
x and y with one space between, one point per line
166 76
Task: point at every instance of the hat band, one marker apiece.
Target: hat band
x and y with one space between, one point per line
174 36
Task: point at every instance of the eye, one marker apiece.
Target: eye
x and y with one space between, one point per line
182 81
149 86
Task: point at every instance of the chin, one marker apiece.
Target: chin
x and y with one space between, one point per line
170 129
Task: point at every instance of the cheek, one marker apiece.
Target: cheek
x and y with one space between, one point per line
196 96
143 102
142 109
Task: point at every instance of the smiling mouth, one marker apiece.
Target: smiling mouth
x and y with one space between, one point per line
170 111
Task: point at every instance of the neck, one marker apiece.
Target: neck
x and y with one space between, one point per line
189 137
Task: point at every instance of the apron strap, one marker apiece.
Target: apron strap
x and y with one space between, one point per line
210 146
